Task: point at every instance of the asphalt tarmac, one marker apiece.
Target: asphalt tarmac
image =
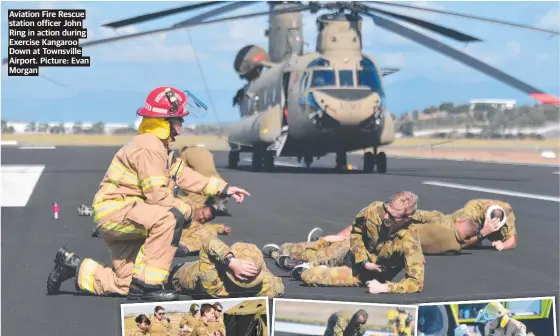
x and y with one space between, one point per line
283 207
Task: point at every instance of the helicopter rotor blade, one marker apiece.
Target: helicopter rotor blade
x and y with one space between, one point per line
193 23
202 17
156 15
447 32
473 17
185 25
459 56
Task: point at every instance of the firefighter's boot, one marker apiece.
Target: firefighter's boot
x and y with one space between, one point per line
66 265
143 292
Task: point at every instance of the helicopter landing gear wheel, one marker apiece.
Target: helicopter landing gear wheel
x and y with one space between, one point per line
308 160
268 161
369 162
233 159
341 161
381 162
257 160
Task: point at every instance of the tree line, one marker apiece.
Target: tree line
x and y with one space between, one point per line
482 115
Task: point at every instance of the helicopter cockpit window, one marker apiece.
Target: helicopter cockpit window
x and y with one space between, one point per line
346 78
319 62
323 78
368 75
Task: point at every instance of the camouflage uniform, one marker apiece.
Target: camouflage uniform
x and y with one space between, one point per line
476 210
342 323
209 277
319 252
371 242
188 320
217 326
193 237
160 327
139 332
200 160
202 329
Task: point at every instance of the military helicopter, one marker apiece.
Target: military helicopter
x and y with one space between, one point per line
307 105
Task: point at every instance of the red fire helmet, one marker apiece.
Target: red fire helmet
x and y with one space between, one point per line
165 102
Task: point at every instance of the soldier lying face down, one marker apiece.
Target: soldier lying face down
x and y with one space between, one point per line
221 271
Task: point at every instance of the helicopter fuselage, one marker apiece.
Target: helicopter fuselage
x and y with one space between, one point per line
320 108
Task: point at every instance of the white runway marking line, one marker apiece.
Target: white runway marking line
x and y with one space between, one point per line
37 147
18 183
493 191
557 173
8 143
279 163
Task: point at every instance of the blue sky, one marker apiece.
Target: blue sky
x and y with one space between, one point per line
123 73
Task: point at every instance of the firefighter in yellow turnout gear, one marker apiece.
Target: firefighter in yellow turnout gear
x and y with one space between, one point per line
498 322
401 322
136 212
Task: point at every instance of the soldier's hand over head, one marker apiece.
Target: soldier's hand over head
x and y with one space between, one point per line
243 269
499 245
373 267
490 226
376 287
237 194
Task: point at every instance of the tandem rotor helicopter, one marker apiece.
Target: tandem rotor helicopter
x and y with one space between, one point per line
332 100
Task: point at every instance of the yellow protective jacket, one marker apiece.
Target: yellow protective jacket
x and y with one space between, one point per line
141 172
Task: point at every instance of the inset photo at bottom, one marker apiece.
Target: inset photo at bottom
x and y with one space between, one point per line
219 317
331 318
508 317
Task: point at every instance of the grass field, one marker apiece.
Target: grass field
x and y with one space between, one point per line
214 142
319 313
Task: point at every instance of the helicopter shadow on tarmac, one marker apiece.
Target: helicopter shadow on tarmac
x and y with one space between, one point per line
423 173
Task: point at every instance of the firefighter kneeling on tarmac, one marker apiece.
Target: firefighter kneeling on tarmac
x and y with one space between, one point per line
136 212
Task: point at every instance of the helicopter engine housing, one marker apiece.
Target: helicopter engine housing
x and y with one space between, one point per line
249 62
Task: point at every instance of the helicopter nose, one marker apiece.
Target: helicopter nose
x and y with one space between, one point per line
348 107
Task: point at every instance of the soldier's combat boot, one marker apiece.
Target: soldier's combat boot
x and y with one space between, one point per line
288 263
314 235
271 250
298 270
66 265
141 291
182 251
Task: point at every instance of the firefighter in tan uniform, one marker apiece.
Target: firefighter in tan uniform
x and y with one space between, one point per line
161 324
221 271
207 316
218 323
347 323
143 325
189 321
498 321
137 214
